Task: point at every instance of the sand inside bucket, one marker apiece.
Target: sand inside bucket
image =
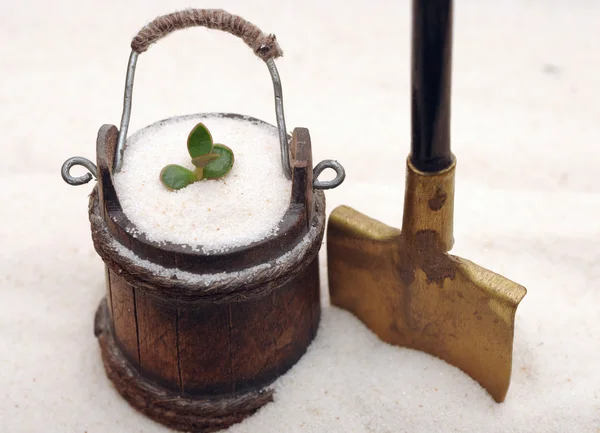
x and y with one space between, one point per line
211 215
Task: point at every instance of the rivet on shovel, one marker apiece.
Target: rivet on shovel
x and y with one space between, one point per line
403 284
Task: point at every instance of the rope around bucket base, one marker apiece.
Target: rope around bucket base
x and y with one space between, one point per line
176 410
249 283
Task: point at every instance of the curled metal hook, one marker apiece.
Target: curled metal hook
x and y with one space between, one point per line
328 184
80 180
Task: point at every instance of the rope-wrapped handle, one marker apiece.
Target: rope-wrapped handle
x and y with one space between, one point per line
263 45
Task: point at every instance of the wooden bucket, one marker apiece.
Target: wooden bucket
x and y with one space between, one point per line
194 340
213 345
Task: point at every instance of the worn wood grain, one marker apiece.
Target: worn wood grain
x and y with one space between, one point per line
302 171
106 142
108 292
124 317
312 279
205 350
293 328
157 336
253 343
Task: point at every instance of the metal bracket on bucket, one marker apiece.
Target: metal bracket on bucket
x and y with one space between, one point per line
264 46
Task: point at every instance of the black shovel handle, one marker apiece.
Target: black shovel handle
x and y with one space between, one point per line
431 82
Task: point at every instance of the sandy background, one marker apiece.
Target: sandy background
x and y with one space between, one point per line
526 128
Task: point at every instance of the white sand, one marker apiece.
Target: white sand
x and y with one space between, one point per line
244 206
527 203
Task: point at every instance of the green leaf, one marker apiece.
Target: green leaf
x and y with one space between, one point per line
199 141
203 160
221 166
176 177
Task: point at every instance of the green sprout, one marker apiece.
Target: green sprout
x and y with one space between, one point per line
212 161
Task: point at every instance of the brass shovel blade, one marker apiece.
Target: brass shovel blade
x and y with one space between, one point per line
411 293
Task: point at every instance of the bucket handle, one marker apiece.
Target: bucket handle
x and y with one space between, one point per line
264 46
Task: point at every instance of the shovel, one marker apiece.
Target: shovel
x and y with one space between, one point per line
403 284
